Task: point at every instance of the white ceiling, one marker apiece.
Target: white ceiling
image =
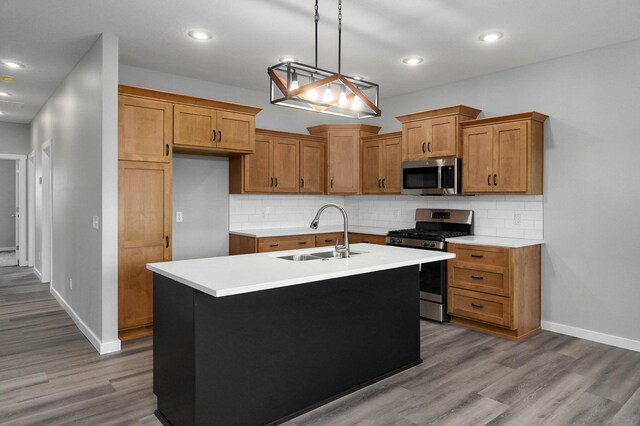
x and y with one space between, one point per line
50 36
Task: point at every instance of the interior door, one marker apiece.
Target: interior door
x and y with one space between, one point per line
372 169
286 165
510 157
235 131
16 214
144 229
477 163
194 126
391 166
312 159
258 175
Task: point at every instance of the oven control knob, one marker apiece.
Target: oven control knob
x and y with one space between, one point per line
396 241
427 244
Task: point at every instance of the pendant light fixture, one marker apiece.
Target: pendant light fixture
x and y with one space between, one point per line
297 85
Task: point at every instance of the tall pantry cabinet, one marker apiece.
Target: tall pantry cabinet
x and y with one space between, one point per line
151 125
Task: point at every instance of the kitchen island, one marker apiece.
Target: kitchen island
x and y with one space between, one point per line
257 339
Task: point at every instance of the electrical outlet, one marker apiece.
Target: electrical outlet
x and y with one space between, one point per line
70 284
96 222
517 219
179 217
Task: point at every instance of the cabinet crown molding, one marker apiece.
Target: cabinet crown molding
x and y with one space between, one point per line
381 136
289 135
439 112
185 99
324 128
535 116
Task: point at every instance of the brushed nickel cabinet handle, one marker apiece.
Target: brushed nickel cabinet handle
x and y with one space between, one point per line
477 306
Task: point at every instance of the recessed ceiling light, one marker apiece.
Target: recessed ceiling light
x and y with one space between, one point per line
412 60
288 59
200 35
358 77
5 94
7 78
13 65
1 112
490 37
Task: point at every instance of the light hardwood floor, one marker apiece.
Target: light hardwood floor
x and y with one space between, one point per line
50 375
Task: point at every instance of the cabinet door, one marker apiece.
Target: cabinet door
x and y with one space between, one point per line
285 164
258 175
145 129
414 141
372 170
236 131
344 162
477 161
194 126
441 137
390 167
144 233
510 157
312 159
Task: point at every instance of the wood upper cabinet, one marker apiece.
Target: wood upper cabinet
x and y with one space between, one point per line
312 166
434 133
504 154
145 129
343 146
381 162
282 162
286 157
213 129
144 236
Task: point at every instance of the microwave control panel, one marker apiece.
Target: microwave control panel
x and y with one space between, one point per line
448 177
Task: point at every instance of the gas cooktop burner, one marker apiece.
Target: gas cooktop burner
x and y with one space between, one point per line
426 234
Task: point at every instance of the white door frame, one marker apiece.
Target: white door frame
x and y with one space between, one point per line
47 216
22 204
31 207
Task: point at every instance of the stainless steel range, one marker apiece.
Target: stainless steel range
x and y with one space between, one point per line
433 227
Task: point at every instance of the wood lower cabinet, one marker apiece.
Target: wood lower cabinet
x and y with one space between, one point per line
495 290
145 129
144 236
343 154
434 133
282 162
381 163
504 154
244 244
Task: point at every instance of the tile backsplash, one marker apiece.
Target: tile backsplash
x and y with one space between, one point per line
494 215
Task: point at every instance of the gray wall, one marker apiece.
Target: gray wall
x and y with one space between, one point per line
14 138
591 201
200 192
81 118
7 203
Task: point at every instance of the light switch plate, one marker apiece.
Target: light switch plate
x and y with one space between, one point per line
96 222
179 217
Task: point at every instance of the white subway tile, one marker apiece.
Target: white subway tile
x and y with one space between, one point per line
534 234
500 214
532 214
490 223
510 233
480 230
510 205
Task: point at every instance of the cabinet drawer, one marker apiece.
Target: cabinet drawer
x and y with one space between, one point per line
481 307
323 240
355 238
465 276
480 255
286 243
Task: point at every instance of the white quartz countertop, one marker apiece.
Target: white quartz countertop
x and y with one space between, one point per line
280 232
229 275
481 240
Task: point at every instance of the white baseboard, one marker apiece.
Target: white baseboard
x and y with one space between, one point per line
594 336
7 249
38 274
101 347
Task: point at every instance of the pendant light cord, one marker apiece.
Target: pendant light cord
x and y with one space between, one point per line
339 35
316 18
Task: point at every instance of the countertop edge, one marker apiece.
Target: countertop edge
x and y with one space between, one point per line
481 240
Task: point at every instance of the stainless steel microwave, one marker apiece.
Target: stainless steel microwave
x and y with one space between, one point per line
432 177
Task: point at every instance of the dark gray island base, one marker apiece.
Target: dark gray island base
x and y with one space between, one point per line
267 356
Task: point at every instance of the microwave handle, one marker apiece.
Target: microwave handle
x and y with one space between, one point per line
439 177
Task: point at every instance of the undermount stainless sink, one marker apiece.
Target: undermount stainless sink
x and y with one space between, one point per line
324 255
